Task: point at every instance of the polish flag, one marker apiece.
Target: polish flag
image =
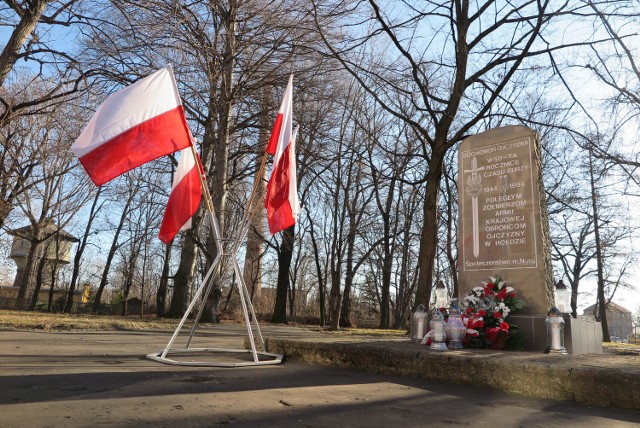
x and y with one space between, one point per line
282 202
133 126
281 133
186 193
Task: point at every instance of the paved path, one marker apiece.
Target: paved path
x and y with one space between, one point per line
87 379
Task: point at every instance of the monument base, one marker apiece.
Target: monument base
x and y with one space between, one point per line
581 335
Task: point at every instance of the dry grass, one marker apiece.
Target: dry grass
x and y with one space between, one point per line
363 332
621 348
27 320
24 320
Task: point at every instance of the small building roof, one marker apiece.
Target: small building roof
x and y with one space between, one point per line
48 226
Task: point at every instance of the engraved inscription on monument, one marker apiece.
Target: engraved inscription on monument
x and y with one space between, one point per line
497 188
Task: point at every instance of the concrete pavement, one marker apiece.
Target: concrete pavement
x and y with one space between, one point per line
591 379
103 378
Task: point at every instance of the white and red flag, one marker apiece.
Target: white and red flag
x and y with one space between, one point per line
186 193
282 202
133 126
281 133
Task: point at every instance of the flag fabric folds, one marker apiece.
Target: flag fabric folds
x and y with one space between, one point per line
282 202
186 193
281 133
133 126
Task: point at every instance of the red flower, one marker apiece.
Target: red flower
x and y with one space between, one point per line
469 310
512 295
502 294
491 334
482 313
475 323
491 286
497 314
504 326
489 292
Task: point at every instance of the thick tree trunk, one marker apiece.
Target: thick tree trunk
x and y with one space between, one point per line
429 234
284 263
28 278
252 271
335 299
223 106
345 310
22 31
38 277
385 295
182 278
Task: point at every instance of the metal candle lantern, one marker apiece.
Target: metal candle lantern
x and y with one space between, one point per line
418 324
455 328
438 335
555 332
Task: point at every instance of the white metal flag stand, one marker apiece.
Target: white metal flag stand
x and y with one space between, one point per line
230 250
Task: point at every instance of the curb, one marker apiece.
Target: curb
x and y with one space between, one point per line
592 379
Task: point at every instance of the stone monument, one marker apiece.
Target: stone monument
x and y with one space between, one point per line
503 222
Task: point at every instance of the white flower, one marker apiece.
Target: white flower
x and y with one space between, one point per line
478 290
510 289
471 299
504 309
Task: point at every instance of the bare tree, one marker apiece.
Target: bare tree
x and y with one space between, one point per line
31 43
482 48
129 195
51 190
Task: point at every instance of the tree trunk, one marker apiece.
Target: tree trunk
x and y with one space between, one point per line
110 256
161 294
54 270
181 279
601 300
345 309
38 277
335 298
284 263
429 234
223 107
252 271
28 21
385 297
28 278
321 279
80 251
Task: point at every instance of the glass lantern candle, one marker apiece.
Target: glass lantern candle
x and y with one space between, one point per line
455 328
563 297
555 332
442 295
418 324
438 335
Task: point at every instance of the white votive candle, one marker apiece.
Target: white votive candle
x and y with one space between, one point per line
555 337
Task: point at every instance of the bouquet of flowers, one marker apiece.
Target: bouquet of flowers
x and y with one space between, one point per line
484 311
